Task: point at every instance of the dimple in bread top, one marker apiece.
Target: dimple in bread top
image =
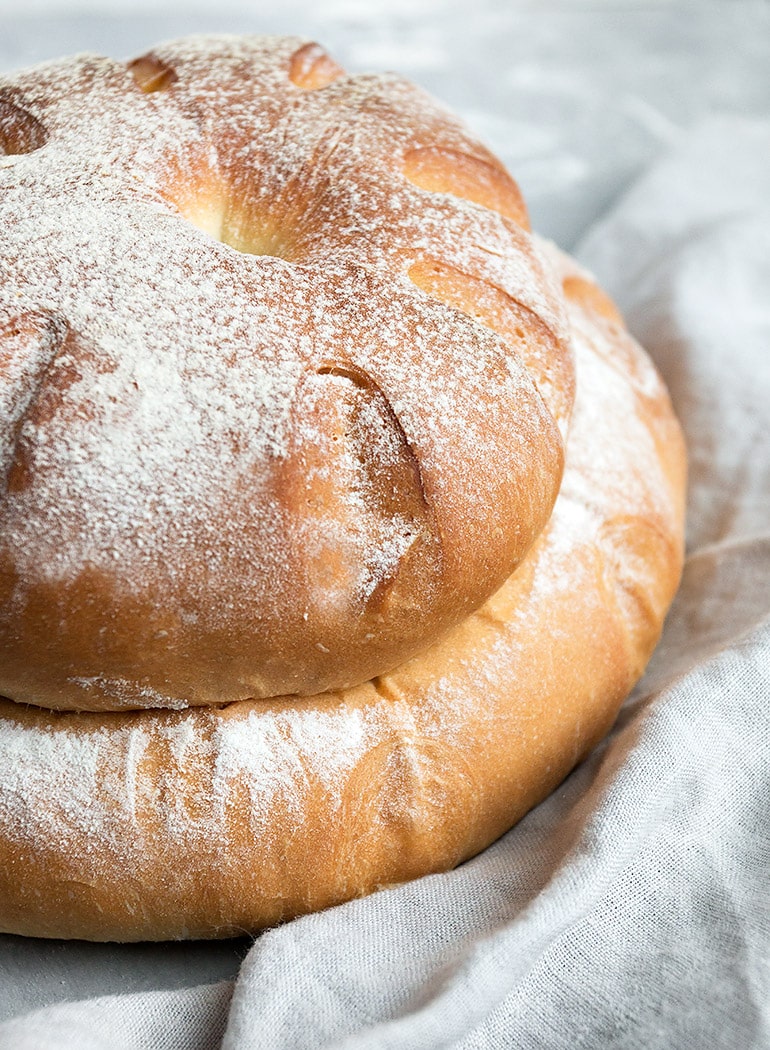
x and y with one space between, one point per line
285 380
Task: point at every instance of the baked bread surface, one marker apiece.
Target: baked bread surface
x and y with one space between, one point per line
217 819
251 443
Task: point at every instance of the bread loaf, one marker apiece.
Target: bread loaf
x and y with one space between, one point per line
226 468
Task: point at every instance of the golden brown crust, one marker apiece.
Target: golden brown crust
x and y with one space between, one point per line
149 825
250 442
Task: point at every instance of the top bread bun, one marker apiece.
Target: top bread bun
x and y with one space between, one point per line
285 380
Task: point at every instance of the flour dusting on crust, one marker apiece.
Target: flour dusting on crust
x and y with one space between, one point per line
178 267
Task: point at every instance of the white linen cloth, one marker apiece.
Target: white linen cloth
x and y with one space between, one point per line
632 908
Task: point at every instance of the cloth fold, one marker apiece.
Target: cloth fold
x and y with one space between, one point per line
632 908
